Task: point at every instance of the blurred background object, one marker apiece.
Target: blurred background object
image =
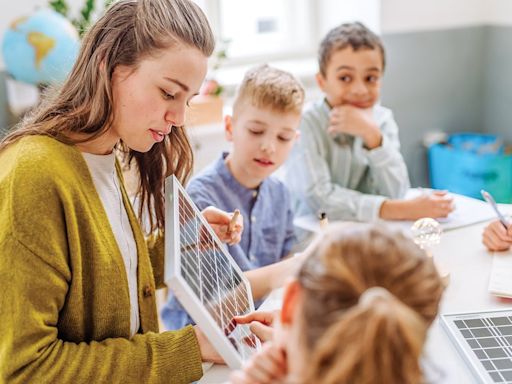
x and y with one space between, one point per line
40 48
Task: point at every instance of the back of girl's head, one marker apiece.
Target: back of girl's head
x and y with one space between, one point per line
128 32
369 296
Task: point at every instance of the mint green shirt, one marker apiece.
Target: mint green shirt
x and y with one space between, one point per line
338 175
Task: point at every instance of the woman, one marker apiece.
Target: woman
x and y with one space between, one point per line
77 301
358 312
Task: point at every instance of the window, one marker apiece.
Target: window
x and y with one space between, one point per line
265 27
278 29
284 33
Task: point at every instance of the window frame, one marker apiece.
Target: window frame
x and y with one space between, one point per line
212 10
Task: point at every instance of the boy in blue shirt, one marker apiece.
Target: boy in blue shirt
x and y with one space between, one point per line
347 162
263 128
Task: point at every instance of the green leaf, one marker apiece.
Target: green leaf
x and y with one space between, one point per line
59 6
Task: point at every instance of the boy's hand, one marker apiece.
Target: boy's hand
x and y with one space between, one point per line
266 366
436 204
220 222
496 237
356 122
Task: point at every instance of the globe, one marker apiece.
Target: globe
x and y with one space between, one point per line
41 48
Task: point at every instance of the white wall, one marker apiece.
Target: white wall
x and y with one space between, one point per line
501 12
412 15
333 12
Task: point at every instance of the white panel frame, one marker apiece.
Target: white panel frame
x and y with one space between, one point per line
179 285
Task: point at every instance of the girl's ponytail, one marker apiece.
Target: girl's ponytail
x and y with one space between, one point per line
379 340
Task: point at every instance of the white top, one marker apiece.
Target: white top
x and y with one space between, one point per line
106 181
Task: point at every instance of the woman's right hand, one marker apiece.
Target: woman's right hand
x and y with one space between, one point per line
496 237
268 366
208 352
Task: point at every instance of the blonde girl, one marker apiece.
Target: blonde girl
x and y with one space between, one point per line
358 312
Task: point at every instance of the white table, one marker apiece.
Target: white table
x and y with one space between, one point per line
462 254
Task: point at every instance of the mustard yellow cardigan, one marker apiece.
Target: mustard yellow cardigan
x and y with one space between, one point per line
64 302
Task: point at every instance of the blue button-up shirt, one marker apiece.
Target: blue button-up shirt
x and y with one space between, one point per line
268 233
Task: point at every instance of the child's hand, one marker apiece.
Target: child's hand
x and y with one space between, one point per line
436 204
219 221
496 237
266 366
356 122
261 324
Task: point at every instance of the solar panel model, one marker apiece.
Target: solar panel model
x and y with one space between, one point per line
204 277
484 339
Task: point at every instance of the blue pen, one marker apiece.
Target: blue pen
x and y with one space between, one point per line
488 197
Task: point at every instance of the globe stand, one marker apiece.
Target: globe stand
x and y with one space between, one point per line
426 233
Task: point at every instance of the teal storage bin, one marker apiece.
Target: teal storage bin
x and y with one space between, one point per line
463 168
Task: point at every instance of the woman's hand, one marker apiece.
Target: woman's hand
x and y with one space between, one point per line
266 366
208 352
496 237
220 222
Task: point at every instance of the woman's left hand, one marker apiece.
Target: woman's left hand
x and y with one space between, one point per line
220 222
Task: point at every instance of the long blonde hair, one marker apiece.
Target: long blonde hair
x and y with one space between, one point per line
354 332
129 31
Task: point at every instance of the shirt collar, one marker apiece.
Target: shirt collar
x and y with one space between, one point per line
228 178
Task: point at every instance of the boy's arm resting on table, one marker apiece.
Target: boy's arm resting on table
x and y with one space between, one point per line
33 350
436 204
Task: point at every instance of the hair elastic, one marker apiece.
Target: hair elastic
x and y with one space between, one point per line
372 294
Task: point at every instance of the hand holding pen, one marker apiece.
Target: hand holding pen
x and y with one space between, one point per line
497 235
227 226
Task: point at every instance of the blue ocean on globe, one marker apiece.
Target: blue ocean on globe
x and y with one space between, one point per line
40 48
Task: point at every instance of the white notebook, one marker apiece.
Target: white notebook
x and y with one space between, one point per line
500 280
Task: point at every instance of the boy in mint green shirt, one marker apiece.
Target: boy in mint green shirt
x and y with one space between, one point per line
347 162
